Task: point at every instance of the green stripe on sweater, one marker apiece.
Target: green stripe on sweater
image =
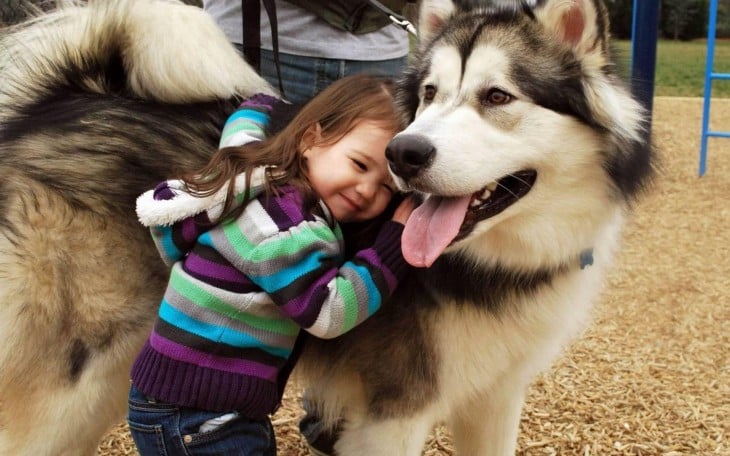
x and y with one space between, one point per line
205 299
285 244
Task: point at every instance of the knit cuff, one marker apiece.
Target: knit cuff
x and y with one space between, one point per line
260 100
388 246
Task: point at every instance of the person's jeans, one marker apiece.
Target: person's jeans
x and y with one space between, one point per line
304 77
160 429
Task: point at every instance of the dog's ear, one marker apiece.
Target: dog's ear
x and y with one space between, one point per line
432 16
581 24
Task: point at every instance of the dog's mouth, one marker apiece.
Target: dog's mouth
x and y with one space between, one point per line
440 221
495 198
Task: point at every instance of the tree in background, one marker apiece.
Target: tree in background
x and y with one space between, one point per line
680 19
723 19
620 15
684 19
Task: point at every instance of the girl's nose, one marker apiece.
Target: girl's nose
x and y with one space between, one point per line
366 190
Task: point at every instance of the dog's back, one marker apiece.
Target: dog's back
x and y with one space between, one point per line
94 109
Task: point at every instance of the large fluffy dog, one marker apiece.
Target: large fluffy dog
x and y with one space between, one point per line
527 147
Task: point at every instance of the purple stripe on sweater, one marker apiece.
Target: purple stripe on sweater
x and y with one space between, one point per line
285 210
302 303
291 205
189 230
371 256
192 356
203 267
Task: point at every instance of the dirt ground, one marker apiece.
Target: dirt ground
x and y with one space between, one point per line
651 375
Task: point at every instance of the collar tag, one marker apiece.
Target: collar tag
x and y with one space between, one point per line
586 258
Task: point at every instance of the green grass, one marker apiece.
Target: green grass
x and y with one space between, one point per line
680 67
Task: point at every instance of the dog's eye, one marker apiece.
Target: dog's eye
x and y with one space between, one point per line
495 97
429 92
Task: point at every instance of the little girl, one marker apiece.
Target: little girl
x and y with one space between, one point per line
257 254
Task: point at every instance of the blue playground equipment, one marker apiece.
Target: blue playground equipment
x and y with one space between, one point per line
644 35
710 75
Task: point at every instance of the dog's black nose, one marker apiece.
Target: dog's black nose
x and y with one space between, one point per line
409 154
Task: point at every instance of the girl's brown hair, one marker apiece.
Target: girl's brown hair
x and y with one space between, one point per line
337 110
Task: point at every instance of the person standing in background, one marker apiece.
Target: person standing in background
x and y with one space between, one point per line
313 53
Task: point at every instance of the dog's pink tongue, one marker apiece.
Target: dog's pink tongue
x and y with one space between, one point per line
431 228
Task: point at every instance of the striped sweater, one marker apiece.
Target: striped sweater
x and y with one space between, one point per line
241 291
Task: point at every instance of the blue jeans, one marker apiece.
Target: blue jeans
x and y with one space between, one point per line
304 77
160 429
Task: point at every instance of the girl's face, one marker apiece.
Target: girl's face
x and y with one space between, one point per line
351 176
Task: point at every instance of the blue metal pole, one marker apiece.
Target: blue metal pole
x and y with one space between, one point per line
709 65
644 36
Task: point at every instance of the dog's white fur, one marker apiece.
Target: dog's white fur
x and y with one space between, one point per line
187 59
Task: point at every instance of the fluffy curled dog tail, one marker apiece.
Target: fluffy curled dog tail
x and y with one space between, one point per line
151 49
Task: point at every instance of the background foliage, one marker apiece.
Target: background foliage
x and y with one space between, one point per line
679 19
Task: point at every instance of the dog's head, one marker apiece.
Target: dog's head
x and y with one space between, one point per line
516 111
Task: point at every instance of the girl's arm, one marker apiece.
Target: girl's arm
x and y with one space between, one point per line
248 123
302 269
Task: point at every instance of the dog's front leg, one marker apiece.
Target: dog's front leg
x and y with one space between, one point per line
391 437
488 425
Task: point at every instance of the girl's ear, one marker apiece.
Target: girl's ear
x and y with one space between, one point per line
312 136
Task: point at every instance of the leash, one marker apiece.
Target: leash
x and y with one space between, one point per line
251 25
394 17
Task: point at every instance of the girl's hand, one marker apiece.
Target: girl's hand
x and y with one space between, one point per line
404 209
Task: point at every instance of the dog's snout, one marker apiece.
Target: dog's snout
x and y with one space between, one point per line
409 154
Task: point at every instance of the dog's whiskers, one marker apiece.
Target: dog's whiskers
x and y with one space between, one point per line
510 191
521 180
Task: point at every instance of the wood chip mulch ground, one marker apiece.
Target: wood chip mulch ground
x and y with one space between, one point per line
651 375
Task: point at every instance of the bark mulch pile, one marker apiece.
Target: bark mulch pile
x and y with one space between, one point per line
651 375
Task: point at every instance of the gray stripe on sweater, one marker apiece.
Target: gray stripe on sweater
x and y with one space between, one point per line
267 267
207 315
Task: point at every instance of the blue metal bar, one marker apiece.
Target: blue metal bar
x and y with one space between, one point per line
719 134
709 65
644 35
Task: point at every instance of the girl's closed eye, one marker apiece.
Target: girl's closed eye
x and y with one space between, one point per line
359 164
